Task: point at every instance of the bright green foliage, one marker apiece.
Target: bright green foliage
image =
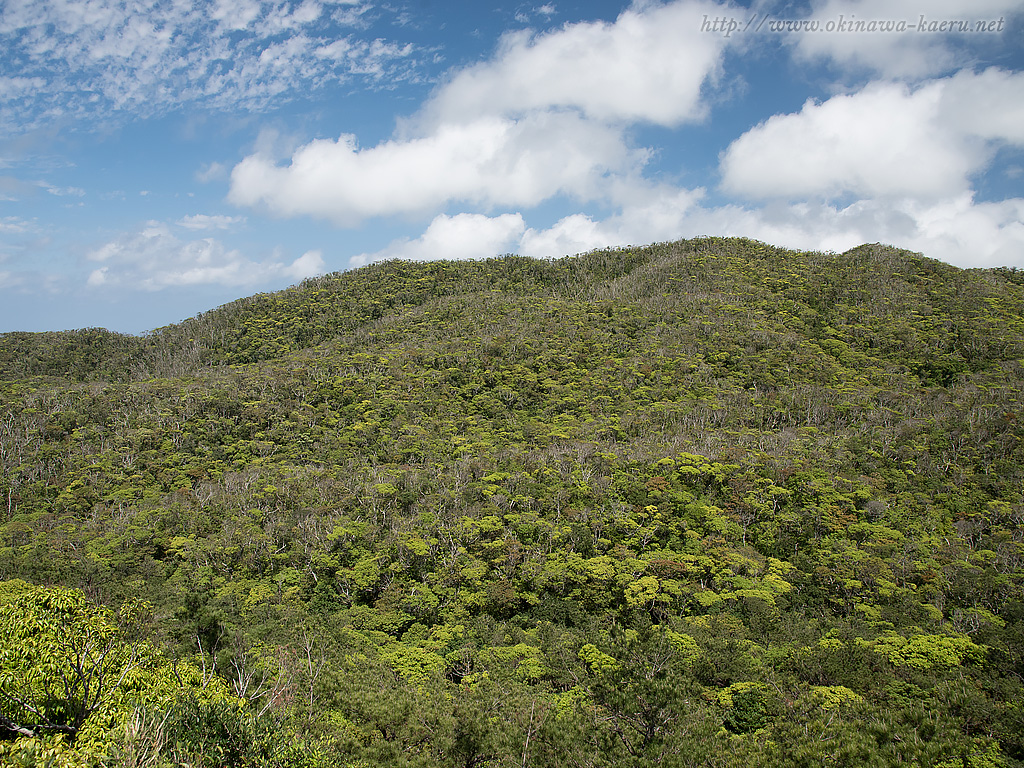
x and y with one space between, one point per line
62 659
78 682
926 651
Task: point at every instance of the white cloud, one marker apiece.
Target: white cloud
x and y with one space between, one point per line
885 141
16 87
969 234
309 264
15 225
212 172
988 105
957 230
61 191
492 161
648 66
153 259
202 221
546 11
354 14
909 54
88 60
571 234
236 14
660 215
657 213
463 236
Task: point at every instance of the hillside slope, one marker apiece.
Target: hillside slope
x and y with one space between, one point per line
705 502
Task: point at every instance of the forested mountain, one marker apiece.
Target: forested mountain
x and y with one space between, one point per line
704 503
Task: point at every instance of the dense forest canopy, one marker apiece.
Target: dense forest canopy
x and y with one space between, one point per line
698 503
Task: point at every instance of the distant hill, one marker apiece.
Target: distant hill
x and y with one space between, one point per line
880 279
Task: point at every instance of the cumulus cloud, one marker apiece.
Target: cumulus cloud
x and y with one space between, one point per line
657 213
958 230
153 259
463 236
987 105
490 161
662 214
887 140
309 264
914 53
903 158
650 65
88 60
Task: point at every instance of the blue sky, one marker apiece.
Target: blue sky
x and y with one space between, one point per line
159 158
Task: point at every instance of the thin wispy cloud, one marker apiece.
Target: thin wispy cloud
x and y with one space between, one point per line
14 224
200 221
73 61
154 258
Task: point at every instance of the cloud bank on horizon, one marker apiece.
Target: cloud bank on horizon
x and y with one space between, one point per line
197 152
